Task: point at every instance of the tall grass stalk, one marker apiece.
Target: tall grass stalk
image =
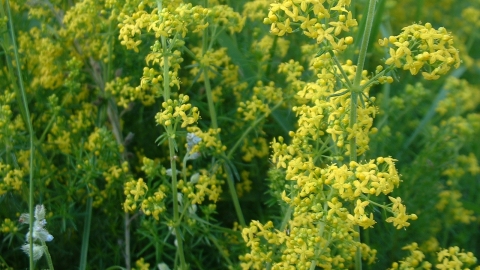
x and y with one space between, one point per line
22 93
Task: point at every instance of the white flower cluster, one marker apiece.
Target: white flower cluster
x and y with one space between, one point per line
39 232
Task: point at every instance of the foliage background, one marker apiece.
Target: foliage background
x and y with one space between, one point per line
82 89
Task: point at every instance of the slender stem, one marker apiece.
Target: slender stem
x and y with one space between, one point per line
364 45
353 105
220 249
233 194
30 132
214 125
250 128
126 219
166 79
86 232
271 53
344 75
211 104
47 255
176 224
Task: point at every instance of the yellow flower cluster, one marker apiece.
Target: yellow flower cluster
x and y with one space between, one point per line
82 120
400 217
168 22
292 69
414 260
152 168
135 191
282 16
256 147
210 141
471 15
100 139
225 17
12 179
459 92
173 22
450 258
262 47
300 245
422 48
114 178
151 201
258 254
212 59
42 54
200 186
140 264
256 10
252 109
458 169
8 226
155 205
177 111
126 94
451 205
318 200
83 19
245 185
453 258
7 127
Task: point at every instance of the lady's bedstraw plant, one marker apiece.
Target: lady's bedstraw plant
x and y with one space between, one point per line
169 23
150 124
333 193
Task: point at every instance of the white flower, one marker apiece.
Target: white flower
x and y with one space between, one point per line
39 232
194 178
163 266
37 251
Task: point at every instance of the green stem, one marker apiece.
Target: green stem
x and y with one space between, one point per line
353 105
233 194
250 128
30 130
321 229
271 53
220 249
344 75
211 104
166 80
176 223
86 232
214 125
47 255
364 45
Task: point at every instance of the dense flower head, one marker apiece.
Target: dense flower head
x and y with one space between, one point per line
310 16
209 141
202 185
422 48
448 258
177 111
135 192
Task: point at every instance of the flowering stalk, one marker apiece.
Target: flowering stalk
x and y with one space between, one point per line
176 220
28 123
214 125
37 232
163 39
353 106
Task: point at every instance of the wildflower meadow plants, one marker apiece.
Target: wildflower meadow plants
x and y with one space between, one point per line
256 134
